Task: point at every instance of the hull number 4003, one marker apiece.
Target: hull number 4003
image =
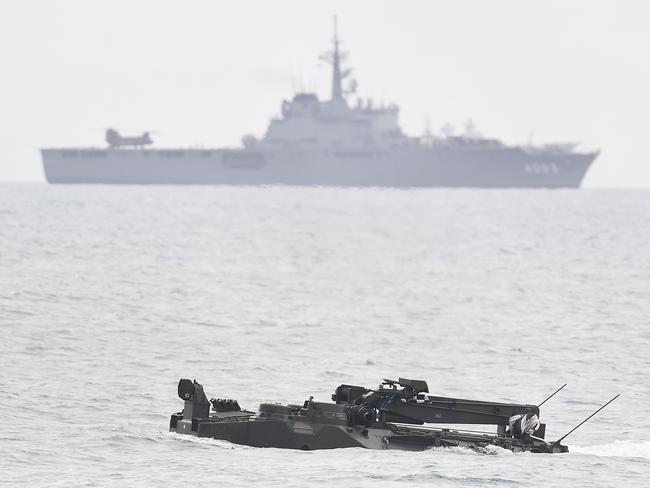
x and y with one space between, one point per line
542 168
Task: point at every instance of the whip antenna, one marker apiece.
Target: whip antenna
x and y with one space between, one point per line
565 435
551 395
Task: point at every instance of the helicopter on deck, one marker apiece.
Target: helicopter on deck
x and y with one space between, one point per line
115 140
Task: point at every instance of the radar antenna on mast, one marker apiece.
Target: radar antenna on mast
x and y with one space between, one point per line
336 58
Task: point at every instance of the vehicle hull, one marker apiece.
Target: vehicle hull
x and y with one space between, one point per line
326 426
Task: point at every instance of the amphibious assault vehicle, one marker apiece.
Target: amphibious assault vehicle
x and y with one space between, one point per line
389 417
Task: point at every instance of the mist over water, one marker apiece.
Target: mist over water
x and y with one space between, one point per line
109 295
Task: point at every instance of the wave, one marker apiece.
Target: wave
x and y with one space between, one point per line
627 449
206 441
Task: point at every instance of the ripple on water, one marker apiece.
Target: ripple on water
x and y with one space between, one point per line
108 295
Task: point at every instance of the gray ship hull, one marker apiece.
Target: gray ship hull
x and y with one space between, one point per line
401 167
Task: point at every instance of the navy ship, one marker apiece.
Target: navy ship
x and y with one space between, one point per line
333 142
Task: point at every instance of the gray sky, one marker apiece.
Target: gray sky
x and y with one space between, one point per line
208 72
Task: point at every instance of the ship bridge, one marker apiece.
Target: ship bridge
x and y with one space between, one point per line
334 124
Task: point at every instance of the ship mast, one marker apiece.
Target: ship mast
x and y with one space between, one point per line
337 89
336 57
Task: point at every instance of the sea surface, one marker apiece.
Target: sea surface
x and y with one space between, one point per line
109 295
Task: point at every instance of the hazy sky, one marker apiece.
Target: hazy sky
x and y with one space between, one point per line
208 72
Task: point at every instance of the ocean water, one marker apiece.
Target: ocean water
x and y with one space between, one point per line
109 295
